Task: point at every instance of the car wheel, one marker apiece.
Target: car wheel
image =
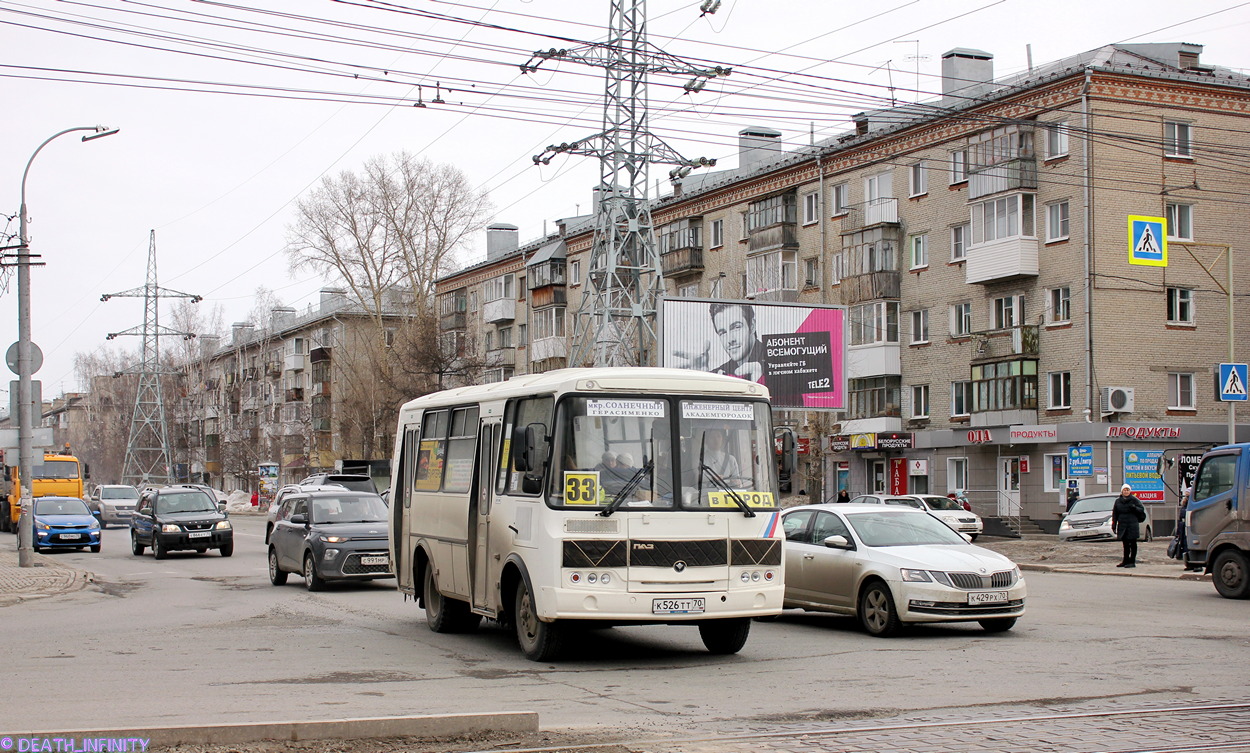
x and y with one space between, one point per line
312 579
1231 574
998 624
227 549
1150 534
973 536
277 575
540 641
443 614
95 548
36 547
158 551
725 636
135 547
876 610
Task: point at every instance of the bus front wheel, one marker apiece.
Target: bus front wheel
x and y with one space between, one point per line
725 636
540 641
445 615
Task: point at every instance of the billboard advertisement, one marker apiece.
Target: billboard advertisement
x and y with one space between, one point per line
1141 472
797 351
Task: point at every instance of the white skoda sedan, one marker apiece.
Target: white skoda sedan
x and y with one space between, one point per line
890 565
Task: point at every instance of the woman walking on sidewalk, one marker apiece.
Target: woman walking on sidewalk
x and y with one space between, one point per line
1126 514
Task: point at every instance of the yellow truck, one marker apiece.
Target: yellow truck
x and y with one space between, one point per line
59 476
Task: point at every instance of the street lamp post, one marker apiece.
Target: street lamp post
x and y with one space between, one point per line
25 410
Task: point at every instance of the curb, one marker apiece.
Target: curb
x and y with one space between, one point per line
427 727
1078 571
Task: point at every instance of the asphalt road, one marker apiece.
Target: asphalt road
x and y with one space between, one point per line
205 639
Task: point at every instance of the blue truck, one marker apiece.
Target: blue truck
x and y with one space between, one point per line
1217 520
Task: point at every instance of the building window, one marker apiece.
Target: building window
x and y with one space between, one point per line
680 234
1180 391
717 233
811 208
1057 221
874 323
874 397
472 301
920 326
1060 389
505 337
1056 140
920 401
1055 466
549 323
575 273
1177 139
919 179
1008 311
959 166
771 211
688 291
771 272
956 474
499 288
959 242
961 399
919 251
1060 305
1180 306
489 340
1180 222
1006 217
841 195
522 331
811 272
1007 385
961 319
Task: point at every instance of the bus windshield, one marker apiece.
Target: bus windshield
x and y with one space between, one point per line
620 451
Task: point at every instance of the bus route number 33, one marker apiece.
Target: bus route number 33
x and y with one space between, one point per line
582 489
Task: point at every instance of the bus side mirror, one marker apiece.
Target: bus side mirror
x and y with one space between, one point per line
529 455
86 470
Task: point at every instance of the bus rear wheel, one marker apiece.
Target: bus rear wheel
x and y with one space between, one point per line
443 614
540 641
725 636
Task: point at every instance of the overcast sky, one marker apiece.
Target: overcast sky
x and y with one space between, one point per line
217 175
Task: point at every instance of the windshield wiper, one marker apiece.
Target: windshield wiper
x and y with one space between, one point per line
628 488
724 486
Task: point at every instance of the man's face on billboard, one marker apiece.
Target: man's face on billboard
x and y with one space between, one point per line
735 332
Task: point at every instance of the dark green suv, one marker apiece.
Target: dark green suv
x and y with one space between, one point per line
171 518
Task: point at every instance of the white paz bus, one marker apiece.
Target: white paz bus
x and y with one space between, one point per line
591 496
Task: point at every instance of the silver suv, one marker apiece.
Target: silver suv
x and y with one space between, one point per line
115 503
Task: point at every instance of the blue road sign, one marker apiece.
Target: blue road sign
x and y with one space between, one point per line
1232 384
1147 241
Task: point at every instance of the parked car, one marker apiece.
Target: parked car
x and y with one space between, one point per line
903 500
217 494
354 481
114 502
1090 520
172 518
64 522
894 565
952 513
330 534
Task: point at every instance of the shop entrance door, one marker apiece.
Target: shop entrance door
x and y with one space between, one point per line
1009 487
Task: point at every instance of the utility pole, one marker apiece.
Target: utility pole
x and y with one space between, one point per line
615 321
148 459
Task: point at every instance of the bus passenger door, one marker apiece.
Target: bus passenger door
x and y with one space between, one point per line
401 511
487 466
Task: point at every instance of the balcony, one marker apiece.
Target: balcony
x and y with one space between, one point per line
251 373
682 261
870 287
773 237
1001 260
549 347
500 357
295 395
295 361
454 320
550 295
273 368
1016 174
880 359
320 389
869 213
997 344
502 310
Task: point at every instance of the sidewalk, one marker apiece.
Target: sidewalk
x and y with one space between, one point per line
47 578
1048 554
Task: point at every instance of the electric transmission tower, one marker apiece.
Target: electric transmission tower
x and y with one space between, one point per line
148 459
615 322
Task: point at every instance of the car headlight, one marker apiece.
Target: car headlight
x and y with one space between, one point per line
41 525
334 539
223 525
170 528
1064 525
915 576
93 525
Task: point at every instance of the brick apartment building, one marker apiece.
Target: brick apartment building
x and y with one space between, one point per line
980 244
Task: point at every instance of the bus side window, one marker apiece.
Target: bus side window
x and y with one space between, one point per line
411 438
530 417
432 452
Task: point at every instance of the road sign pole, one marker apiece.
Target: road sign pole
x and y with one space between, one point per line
1232 406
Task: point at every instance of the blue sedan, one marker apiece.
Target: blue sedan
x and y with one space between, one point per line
64 522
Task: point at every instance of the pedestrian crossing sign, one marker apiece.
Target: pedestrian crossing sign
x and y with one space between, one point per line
1232 383
1147 241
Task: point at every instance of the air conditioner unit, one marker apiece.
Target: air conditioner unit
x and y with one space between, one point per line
1117 400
